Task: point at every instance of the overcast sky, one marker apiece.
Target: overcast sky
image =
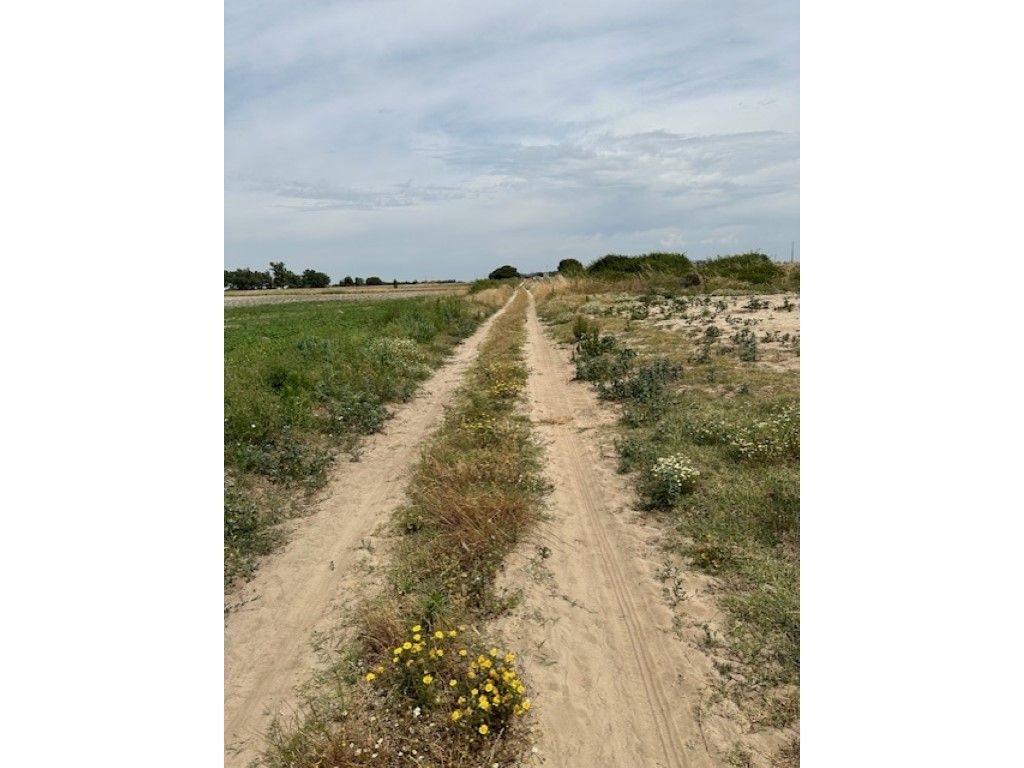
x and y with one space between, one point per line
437 139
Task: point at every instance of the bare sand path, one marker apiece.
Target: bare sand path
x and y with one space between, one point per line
614 686
298 591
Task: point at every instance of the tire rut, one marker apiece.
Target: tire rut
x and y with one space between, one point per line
614 686
302 589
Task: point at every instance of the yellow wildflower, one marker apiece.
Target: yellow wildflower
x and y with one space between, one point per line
370 676
462 651
494 653
526 704
456 715
428 679
462 700
453 683
452 633
439 635
407 645
417 628
417 637
483 703
510 657
483 729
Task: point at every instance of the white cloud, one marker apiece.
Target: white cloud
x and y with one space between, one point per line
440 138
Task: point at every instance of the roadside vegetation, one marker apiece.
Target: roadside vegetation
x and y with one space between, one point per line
412 678
710 432
302 382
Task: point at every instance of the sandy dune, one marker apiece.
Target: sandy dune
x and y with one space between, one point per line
298 591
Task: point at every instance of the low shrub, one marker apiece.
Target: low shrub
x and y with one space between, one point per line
669 480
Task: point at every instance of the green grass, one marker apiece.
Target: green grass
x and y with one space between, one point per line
475 492
305 380
703 403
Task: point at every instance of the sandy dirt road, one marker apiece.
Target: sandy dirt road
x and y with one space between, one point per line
614 686
300 590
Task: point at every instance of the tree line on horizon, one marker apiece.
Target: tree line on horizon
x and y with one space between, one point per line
279 276
752 267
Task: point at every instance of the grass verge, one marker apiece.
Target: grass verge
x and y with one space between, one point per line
305 380
712 439
412 680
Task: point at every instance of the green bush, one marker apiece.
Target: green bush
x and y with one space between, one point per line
613 265
504 273
753 268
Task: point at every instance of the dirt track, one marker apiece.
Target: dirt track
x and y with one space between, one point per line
267 640
614 686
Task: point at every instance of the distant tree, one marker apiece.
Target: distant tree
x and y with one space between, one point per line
313 279
394 283
360 281
570 267
246 280
347 281
504 272
374 281
283 277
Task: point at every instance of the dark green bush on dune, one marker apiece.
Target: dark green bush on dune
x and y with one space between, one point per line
755 268
614 264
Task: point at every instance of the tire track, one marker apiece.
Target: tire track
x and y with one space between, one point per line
300 590
624 690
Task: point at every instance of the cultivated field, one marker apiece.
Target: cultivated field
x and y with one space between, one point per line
575 541
287 295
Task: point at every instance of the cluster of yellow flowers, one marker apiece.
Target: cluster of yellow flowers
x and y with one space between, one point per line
485 424
481 693
504 389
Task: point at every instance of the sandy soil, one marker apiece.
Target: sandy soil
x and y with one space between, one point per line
614 686
245 298
300 591
771 324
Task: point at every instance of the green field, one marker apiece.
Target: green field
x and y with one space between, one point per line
303 381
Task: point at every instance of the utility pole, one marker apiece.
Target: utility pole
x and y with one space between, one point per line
792 249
